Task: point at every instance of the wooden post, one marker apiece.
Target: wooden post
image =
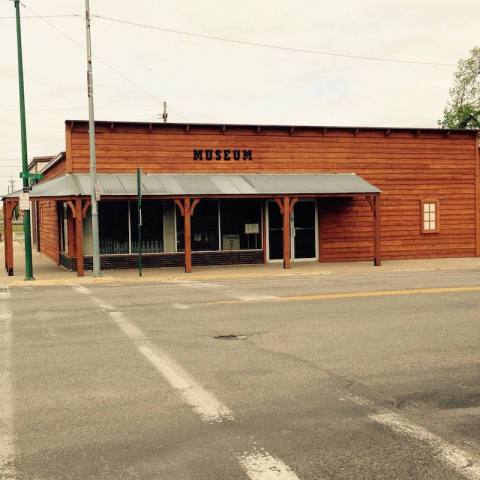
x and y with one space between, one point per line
286 232
319 215
8 208
79 236
5 232
377 231
264 231
186 211
187 236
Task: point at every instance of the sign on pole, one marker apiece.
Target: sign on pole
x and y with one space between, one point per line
31 176
24 201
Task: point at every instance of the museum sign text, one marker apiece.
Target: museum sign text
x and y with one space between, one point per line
222 155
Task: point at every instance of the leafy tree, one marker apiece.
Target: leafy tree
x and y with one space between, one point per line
463 108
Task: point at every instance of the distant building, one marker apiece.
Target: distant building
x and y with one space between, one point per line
36 166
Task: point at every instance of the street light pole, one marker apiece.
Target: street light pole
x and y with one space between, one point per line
93 159
23 131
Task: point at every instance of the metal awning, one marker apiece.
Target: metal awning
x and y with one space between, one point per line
166 184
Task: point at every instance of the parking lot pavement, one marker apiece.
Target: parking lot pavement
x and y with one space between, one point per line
352 376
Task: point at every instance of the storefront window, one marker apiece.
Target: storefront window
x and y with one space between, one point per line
113 227
152 226
215 225
241 224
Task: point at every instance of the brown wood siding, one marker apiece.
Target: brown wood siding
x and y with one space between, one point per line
55 171
477 179
48 229
408 166
68 148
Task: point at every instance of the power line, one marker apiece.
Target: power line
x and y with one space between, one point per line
270 46
71 15
113 69
241 42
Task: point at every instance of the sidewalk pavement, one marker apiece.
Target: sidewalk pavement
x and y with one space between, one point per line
47 272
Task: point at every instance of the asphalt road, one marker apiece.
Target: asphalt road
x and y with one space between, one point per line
324 377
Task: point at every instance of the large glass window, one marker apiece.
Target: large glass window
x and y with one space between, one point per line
152 226
204 225
215 225
241 224
113 227
115 235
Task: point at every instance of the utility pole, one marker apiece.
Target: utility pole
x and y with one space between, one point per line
23 131
165 114
11 188
93 158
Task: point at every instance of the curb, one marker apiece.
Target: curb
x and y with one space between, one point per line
219 276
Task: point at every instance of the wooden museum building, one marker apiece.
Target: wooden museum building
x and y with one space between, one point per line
238 194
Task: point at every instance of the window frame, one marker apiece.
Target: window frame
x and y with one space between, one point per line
437 216
260 204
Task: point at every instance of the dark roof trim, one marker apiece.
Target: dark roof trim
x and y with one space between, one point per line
35 160
260 127
58 158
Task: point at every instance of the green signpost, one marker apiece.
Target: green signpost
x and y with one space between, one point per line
23 131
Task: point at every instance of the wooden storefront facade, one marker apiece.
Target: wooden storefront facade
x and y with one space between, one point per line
427 202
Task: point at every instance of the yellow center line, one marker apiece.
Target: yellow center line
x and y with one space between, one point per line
333 296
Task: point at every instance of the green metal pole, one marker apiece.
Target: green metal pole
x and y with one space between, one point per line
139 216
23 127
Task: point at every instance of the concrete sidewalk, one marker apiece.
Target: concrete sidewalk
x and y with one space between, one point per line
47 272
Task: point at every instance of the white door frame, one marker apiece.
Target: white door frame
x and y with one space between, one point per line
292 238
292 230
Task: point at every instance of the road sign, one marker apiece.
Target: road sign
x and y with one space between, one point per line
33 176
24 201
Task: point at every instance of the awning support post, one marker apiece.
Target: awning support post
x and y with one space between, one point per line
8 209
286 232
79 236
264 231
377 231
186 211
188 236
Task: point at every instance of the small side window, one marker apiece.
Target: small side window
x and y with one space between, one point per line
430 216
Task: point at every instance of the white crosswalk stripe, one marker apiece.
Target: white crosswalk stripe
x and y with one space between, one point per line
7 447
257 464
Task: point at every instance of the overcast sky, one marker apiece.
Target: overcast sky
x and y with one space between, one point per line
211 81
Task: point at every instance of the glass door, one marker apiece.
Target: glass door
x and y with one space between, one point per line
304 231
